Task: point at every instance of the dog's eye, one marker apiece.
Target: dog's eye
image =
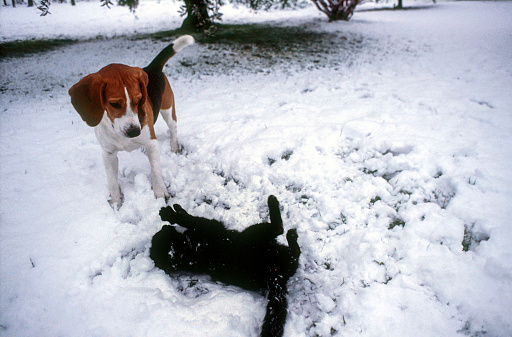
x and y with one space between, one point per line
115 105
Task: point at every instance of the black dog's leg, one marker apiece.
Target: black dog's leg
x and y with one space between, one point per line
275 214
180 217
291 237
264 233
277 310
277 306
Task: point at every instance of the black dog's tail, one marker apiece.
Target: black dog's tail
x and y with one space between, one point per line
277 310
161 59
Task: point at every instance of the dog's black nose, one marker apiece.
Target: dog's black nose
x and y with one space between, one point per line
132 131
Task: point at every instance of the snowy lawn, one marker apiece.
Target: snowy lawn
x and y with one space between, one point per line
387 140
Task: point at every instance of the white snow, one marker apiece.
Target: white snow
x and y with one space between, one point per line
408 126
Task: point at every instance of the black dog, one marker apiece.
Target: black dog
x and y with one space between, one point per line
251 259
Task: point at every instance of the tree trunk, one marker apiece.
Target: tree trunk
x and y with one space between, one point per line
30 3
13 3
73 3
400 4
197 16
346 11
337 9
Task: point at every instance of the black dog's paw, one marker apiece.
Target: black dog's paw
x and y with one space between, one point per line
179 210
275 215
174 215
167 214
272 200
292 235
273 204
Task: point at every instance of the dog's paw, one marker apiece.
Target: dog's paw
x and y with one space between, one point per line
292 235
174 215
161 192
179 210
275 215
167 214
175 147
116 199
272 201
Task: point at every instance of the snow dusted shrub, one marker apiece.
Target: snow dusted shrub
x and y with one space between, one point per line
131 4
44 7
200 14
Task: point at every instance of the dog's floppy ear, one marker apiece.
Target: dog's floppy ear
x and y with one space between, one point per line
87 98
143 83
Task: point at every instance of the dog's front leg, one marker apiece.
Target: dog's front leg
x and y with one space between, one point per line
157 182
112 167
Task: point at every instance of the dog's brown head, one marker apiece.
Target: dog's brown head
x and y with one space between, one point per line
120 92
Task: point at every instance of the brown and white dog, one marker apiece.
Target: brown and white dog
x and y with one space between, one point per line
122 103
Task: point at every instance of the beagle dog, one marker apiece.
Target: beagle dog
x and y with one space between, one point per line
122 103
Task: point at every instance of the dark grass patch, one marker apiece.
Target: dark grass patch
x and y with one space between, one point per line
396 222
262 48
285 156
472 238
268 38
22 48
255 35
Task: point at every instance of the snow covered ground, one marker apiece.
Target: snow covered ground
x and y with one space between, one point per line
387 140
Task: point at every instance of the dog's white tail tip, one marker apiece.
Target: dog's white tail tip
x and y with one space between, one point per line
182 42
